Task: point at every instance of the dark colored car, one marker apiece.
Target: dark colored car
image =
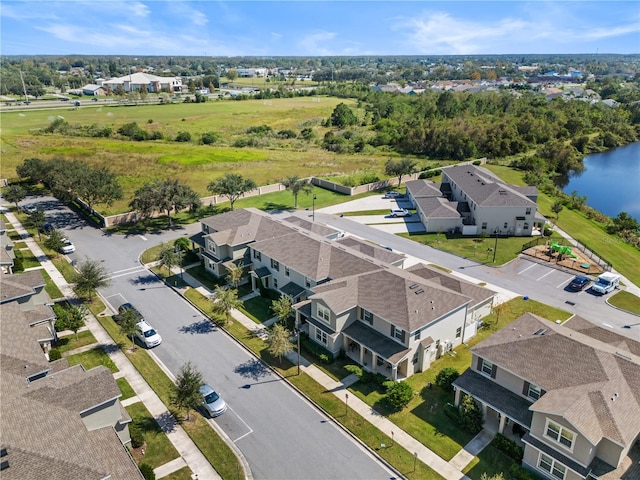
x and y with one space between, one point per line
579 283
46 228
127 306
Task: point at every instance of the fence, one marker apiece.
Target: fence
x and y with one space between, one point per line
593 257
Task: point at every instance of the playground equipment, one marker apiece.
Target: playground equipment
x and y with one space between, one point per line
561 249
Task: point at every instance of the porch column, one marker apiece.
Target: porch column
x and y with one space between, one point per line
501 427
484 410
456 401
374 362
394 373
361 354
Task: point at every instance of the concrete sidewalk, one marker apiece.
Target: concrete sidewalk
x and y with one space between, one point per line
190 455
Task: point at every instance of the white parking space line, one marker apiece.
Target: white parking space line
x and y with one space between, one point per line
137 267
139 270
607 325
143 237
110 305
530 266
548 273
564 281
245 424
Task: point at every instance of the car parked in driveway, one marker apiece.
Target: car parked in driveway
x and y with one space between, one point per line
212 401
400 212
147 335
393 194
67 246
579 283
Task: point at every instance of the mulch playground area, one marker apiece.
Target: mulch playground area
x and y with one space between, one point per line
580 263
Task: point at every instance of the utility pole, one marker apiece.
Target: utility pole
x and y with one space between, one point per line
495 247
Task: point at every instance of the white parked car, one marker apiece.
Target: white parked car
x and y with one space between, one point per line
148 335
67 246
212 401
393 194
400 212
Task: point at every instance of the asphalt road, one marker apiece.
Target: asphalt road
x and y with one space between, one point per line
281 435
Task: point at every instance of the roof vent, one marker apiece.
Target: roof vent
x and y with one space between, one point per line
419 291
415 285
540 331
502 192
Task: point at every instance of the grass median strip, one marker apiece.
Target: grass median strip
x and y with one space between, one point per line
92 358
70 342
626 301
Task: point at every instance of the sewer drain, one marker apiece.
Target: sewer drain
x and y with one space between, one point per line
570 303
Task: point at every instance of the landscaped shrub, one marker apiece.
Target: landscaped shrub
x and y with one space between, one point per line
18 265
508 447
355 369
477 162
208 138
430 173
147 471
137 437
369 177
470 415
399 394
317 351
446 377
54 354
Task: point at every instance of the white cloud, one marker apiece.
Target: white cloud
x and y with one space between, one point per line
313 44
275 35
597 33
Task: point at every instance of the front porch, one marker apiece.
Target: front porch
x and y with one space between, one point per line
375 352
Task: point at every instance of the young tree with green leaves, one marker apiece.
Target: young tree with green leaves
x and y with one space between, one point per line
470 415
91 275
343 116
38 219
128 322
399 168
223 301
54 241
279 341
297 185
282 308
186 391
73 316
231 186
168 257
557 208
14 194
399 394
97 185
164 196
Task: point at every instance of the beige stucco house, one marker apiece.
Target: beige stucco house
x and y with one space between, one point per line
571 392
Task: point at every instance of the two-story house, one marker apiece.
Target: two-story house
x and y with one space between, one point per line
7 254
56 422
571 391
388 320
472 201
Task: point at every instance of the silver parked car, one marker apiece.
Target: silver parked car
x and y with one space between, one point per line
212 401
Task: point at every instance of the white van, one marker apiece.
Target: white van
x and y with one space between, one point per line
607 282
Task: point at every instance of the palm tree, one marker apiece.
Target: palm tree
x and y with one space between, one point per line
235 274
297 185
225 300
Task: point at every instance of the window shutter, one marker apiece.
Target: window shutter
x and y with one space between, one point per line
479 364
525 388
494 369
393 330
403 336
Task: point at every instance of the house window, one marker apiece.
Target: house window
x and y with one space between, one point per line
417 336
534 392
398 333
484 225
321 336
324 314
526 226
286 271
256 255
559 434
366 316
275 283
551 466
458 332
528 211
486 367
506 225
212 247
275 265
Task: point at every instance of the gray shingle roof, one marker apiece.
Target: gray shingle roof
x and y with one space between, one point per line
397 296
484 188
256 229
15 286
423 188
477 293
317 228
389 349
20 352
438 207
313 258
371 250
580 374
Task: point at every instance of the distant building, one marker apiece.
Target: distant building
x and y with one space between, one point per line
144 81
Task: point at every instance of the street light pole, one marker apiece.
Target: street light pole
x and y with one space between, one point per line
313 209
495 247
298 335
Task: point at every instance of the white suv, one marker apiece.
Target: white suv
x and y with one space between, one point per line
147 335
400 212
67 246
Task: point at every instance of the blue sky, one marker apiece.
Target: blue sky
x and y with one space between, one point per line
313 28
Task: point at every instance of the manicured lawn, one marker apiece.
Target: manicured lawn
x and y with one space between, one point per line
29 260
476 248
182 474
125 388
258 308
158 450
69 342
490 461
208 280
626 301
50 287
92 358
